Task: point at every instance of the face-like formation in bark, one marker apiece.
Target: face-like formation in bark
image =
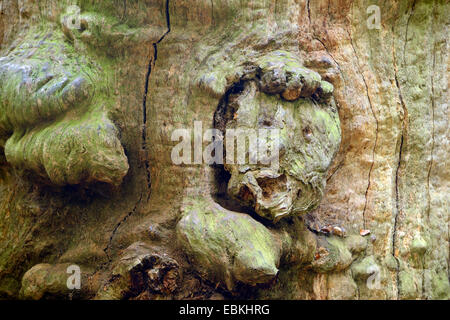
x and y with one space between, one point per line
50 92
272 91
90 96
281 94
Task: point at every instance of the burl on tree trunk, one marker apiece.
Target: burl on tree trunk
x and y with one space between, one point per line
353 204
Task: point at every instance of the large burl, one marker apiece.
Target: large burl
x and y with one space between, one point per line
309 135
274 91
54 108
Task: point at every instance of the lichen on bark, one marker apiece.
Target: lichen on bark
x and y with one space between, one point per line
364 122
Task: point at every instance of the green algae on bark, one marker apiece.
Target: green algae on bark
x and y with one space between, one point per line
228 247
54 113
309 135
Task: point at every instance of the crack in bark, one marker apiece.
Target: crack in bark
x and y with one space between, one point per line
151 64
129 214
411 12
309 11
394 232
376 128
124 9
432 148
315 37
332 57
340 165
213 22
403 137
432 131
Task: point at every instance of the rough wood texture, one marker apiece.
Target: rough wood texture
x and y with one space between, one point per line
86 175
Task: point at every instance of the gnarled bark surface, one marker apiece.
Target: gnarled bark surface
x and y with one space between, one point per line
87 179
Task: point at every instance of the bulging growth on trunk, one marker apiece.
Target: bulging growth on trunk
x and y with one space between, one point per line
174 149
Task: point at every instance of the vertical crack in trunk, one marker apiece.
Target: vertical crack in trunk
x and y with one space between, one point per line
129 214
124 10
432 129
411 12
309 11
403 137
433 70
332 57
151 64
339 166
376 128
212 13
397 208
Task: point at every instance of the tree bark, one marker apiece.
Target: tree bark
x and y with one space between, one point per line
381 230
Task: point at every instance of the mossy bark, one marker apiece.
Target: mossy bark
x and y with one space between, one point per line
87 178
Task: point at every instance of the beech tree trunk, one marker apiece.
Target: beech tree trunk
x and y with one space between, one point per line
116 205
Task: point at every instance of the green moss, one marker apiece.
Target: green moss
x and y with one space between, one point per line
228 246
326 87
60 130
356 244
419 245
362 269
338 256
440 287
44 279
9 287
309 134
408 288
50 281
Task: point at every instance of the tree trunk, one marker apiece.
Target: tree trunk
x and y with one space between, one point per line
87 175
